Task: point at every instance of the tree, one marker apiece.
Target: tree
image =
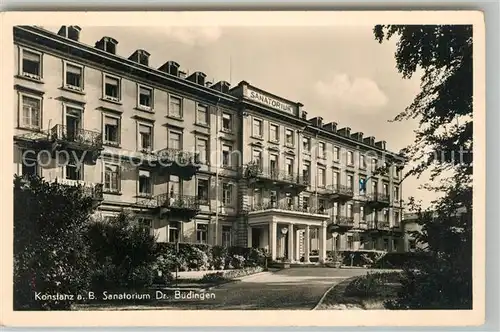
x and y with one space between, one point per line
443 147
50 248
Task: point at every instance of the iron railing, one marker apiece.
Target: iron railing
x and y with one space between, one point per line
341 190
178 156
254 170
286 207
76 135
176 201
93 190
378 197
342 221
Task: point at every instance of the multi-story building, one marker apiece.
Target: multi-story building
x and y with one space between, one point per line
198 161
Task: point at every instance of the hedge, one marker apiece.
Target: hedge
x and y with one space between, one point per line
203 257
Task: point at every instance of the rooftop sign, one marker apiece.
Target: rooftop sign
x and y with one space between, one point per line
261 98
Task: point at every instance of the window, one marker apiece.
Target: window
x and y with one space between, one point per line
374 187
397 172
111 88
336 153
386 244
202 191
31 112
173 231
227 193
362 161
31 64
306 144
362 213
73 77
350 242
335 179
257 197
335 208
273 197
202 114
111 130
29 164
145 98
147 223
273 163
227 122
202 148
349 211
395 245
321 205
362 185
226 155
350 158
386 215
175 107
226 236
274 134
145 184
257 157
306 172
305 203
257 128
321 150
396 218
374 164
201 233
289 166
111 178
396 194
145 137
73 172
321 177
289 137
174 140
386 189
350 181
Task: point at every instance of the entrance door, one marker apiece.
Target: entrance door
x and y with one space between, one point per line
73 123
255 237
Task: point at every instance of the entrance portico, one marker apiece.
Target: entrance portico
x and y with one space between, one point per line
287 234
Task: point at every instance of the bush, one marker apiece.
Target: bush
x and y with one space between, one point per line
213 277
50 251
124 253
373 285
219 257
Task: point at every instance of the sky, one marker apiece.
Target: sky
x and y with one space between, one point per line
340 73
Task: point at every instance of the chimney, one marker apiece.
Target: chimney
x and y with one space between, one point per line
346 131
141 57
107 44
71 32
381 144
331 127
170 67
304 115
358 136
369 140
197 77
317 121
222 86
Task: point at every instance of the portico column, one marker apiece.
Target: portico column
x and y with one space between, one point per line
272 239
307 244
297 244
290 242
249 239
322 243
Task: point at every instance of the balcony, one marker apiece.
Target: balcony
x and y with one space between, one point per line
86 141
379 226
93 190
340 192
180 206
340 224
377 201
177 162
279 178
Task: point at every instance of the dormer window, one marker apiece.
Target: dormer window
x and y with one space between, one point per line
198 78
141 57
171 67
107 44
71 32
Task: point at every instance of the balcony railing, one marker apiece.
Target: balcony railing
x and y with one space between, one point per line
178 157
273 174
77 136
340 191
178 202
378 197
93 190
343 221
286 207
379 225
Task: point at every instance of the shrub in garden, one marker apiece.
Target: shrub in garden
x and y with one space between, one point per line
124 251
219 257
50 250
373 285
